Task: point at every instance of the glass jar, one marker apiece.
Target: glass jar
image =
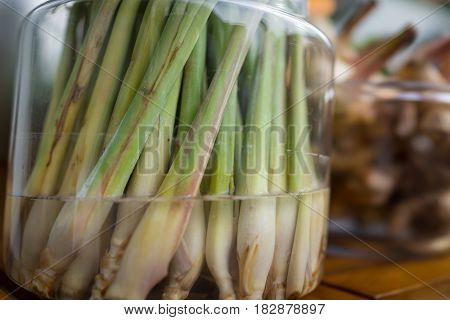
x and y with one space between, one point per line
390 169
169 149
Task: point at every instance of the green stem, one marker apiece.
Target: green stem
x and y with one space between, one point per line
149 32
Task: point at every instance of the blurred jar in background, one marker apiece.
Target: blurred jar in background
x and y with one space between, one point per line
391 163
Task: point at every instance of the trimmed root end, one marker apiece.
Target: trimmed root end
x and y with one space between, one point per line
277 292
296 296
226 289
253 296
108 270
25 277
309 287
17 274
71 294
171 293
228 296
44 283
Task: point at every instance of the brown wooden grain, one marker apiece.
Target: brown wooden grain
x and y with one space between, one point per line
324 292
337 264
439 291
389 279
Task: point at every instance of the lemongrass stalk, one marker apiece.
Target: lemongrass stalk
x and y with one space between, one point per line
81 219
149 32
161 229
221 222
188 260
299 272
219 246
53 146
238 141
147 177
76 280
286 206
300 177
90 138
319 220
257 218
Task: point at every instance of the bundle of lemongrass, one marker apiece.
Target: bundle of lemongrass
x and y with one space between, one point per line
204 83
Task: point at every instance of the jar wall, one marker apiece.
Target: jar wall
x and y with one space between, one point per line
176 141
